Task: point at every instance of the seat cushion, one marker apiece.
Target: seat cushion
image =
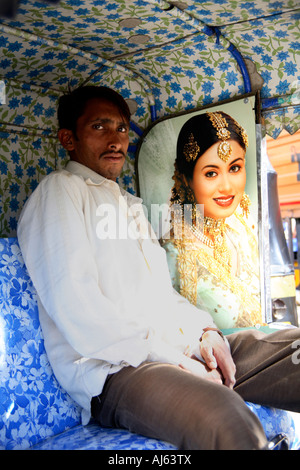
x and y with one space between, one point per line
33 406
94 437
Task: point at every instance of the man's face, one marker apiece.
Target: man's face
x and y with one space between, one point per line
101 140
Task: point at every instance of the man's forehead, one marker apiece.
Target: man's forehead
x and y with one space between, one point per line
103 109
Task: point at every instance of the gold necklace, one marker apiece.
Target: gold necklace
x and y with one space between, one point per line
201 237
190 259
216 229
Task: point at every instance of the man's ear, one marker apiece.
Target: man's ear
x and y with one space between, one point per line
66 138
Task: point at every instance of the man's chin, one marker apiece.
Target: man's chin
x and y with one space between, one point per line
113 171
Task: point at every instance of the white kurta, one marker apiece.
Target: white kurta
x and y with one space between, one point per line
105 296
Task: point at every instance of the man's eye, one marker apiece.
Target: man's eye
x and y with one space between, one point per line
97 126
122 129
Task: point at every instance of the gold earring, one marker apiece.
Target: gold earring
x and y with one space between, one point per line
245 205
191 149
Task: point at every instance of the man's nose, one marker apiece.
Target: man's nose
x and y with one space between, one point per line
114 141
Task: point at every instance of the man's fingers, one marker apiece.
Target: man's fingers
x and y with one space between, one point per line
208 356
216 354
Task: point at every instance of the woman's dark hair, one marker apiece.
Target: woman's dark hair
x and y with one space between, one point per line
72 105
205 136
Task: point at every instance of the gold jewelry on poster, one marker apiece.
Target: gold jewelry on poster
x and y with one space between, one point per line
215 229
244 136
190 258
191 149
243 133
220 124
245 205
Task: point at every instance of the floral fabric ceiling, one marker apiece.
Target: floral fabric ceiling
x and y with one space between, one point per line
163 57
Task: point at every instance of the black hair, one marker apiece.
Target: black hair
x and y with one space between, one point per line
205 135
72 105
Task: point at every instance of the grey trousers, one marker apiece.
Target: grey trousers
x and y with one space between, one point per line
165 402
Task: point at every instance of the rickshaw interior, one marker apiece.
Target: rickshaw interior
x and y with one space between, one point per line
166 58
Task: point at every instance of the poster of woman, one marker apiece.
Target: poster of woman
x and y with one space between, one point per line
198 180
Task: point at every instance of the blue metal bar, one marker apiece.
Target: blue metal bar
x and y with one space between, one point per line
153 113
132 148
237 55
136 129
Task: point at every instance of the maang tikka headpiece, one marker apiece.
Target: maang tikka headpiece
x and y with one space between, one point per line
220 124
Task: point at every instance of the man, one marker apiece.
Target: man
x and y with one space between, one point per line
121 341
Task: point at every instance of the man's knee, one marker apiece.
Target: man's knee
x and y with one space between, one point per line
165 402
224 422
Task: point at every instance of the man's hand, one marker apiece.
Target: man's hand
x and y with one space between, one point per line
216 354
195 366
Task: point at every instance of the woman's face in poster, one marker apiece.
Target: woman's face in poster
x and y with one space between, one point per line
219 185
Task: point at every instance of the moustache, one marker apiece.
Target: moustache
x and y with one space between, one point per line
113 152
